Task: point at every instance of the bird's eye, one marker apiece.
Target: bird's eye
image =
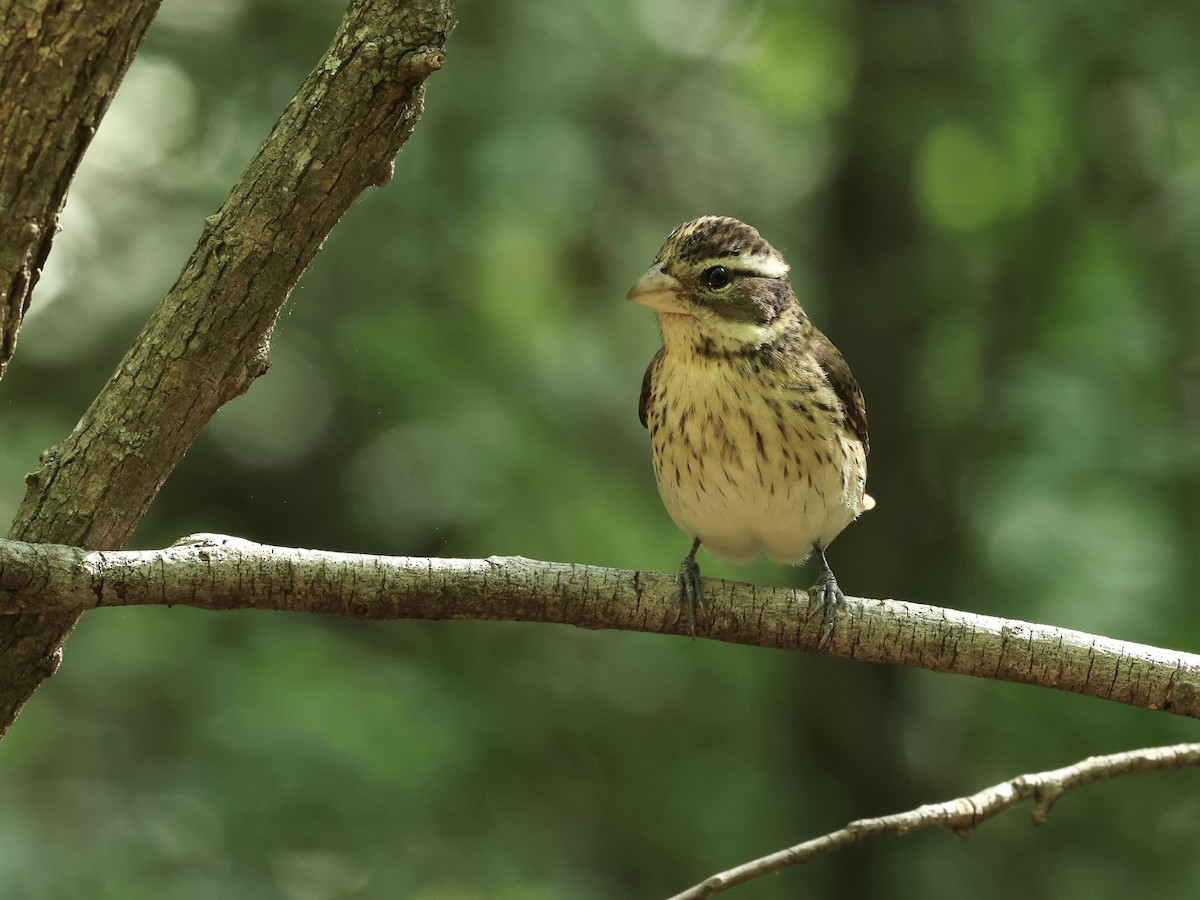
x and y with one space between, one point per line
716 277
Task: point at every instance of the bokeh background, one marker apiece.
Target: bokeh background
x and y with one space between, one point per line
992 208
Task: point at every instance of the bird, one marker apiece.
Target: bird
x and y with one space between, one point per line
758 429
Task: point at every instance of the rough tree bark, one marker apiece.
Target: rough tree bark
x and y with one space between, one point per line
208 339
60 65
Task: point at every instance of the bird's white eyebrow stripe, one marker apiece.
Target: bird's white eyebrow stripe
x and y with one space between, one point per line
760 265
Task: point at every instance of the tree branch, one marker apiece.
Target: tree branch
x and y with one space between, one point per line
963 814
60 65
208 339
218 572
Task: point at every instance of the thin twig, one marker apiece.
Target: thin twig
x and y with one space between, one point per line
962 814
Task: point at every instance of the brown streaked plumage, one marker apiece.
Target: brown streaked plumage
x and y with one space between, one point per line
758 429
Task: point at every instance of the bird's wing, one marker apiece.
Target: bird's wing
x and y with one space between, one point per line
647 387
846 388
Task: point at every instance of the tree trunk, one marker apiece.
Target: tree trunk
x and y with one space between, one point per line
208 339
60 65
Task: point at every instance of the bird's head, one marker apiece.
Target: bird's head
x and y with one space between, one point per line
718 277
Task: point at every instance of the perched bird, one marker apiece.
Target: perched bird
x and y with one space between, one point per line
757 428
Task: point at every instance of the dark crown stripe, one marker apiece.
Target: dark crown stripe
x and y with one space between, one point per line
719 240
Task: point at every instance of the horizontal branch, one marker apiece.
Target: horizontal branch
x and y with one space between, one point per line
218 572
963 814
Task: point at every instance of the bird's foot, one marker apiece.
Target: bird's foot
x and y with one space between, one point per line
829 594
688 595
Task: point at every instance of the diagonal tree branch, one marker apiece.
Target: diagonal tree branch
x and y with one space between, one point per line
961 815
60 65
208 339
218 572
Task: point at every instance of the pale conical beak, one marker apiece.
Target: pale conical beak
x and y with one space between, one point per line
658 291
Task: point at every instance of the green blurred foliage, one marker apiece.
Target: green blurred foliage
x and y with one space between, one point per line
990 207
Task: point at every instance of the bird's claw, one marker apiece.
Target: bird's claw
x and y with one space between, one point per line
829 594
688 595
